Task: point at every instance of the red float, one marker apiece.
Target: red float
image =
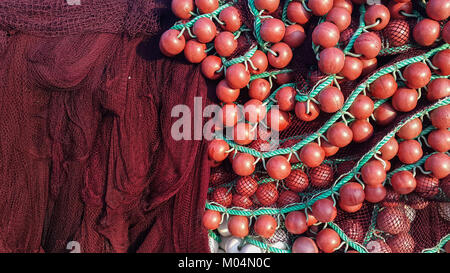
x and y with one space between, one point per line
286 98
362 130
375 193
278 167
304 244
225 44
403 182
384 87
326 34
411 129
205 30
351 194
439 140
331 60
237 76
294 35
339 134
409 151
231 18
301 110
330 99
417 75
438 164
282 57
328 240
373 173
297 181
321 176
243 164
217 150
324 210
362 107
377 13
259 89
405 99
272 30
367 44
384 114
426 32
295 222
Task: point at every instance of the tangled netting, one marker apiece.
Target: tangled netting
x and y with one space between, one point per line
415 221
86 159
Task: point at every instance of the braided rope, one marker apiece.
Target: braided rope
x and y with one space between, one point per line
396 50
213 235
257 25
409 166
293 167
265 246
356 246
358 31
240 59
268 74
284 12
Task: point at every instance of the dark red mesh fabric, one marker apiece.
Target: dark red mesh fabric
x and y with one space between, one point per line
85 143
65 17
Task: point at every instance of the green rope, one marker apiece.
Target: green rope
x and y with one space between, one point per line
345 107
433 77
213 235
265 246
271 99
330 78
240 59
358 31
257 25
409 166
373 223
427 130
396 50
284 12
268 74
315 91
208 15
377 103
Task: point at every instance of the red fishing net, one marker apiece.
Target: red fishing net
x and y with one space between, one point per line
86 152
